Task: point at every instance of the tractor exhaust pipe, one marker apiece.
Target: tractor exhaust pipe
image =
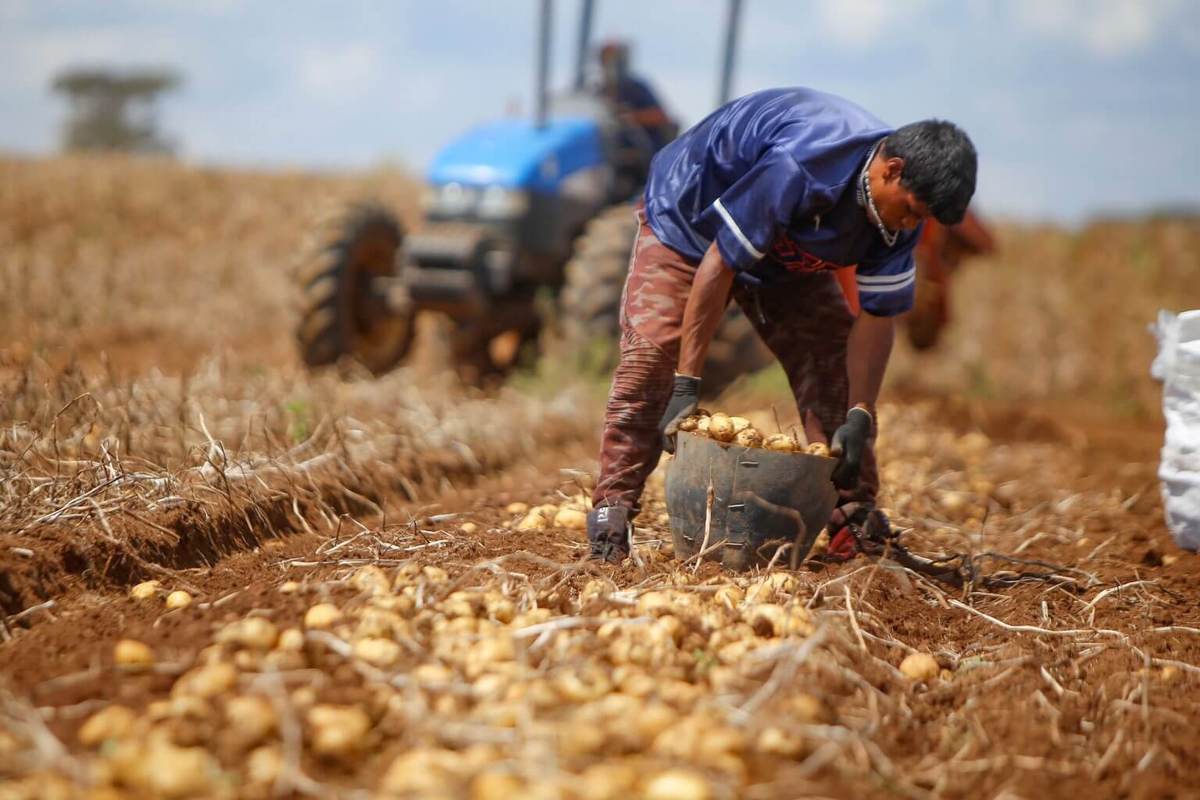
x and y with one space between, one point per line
545 23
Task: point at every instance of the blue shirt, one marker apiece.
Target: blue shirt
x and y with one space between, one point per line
772 177
636 95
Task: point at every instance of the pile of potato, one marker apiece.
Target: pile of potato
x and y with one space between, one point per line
454 684
737 430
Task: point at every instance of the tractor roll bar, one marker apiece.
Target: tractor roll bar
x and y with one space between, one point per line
731 32
585 35
543 66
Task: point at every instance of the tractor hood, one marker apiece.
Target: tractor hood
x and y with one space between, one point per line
517 154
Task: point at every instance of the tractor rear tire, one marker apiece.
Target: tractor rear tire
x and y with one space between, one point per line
343 318
590 307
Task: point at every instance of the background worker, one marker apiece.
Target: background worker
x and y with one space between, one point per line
761 201
635 101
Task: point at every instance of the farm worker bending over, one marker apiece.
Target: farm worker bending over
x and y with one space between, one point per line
760 202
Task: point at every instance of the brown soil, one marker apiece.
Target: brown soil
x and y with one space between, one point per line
59 660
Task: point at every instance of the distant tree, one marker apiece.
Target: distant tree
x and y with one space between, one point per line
113 110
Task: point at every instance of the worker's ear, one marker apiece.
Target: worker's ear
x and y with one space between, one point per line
893 168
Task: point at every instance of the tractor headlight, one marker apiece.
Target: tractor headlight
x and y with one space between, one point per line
450 199
497 202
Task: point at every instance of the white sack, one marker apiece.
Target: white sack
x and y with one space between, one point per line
1178 367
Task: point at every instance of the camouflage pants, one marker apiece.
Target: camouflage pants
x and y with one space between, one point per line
804 323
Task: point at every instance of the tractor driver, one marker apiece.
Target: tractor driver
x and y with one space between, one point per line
633 98
761 201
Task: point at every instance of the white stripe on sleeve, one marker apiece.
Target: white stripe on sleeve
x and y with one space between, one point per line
887 288
733 226
867 281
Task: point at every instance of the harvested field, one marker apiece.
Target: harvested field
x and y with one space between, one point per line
381 602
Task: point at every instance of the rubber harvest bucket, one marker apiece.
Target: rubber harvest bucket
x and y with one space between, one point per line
761 501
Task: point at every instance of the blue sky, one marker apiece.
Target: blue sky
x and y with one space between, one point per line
1076 106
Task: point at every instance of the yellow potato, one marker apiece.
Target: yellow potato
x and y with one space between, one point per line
920 667
780 442
338 730
322 616
144 590
571 519
689 423
739 424
748 437
378 652
206 681
112 722
818 449
131 654
677 784
720 428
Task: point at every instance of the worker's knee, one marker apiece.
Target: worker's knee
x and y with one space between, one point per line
641 384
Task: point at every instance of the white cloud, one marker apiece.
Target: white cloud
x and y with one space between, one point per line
862 23
1106 27
341 70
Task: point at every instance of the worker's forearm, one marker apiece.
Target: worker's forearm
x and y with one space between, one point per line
867 353
704 309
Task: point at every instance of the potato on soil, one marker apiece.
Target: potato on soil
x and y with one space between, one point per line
677 784
920 667
291 640
132 655
251 719
255 633
539 518
178 599
378 652
338 730
206 681
145 590
571 518
322 616
371 580
423 772
264 765
160 769
112 722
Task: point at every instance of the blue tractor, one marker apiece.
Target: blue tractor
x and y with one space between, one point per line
516 211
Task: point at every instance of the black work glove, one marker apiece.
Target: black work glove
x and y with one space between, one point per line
685 396
849 442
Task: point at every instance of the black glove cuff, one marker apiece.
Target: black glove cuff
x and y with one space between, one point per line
686 386
862 421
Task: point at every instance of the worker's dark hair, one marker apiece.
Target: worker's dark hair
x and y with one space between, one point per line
939 166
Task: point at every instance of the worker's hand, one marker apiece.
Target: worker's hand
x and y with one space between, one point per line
849 442
685 396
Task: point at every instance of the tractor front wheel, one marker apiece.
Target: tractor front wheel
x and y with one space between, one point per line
345 315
